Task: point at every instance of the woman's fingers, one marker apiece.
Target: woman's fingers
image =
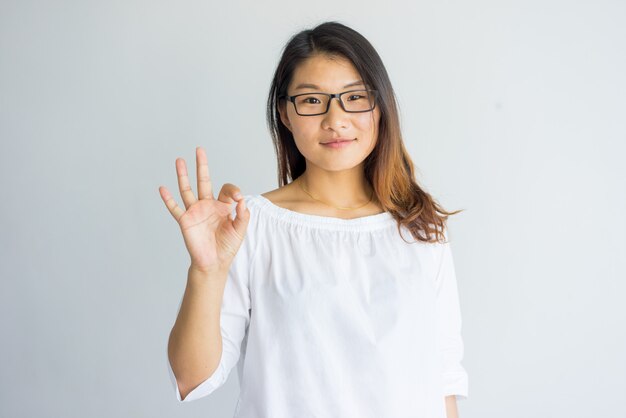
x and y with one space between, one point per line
183 183
205 189
228 192
174 209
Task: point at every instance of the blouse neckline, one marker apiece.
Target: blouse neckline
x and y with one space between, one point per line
370 222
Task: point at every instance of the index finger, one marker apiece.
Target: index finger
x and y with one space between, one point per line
205 189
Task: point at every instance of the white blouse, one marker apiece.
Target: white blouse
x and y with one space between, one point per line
331 317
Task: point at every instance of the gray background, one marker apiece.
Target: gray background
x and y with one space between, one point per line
514 111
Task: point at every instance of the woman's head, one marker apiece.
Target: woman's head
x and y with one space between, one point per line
332 56
353 118
335 55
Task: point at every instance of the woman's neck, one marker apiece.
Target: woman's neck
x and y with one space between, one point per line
340 190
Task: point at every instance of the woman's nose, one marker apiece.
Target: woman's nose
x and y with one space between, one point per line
335 116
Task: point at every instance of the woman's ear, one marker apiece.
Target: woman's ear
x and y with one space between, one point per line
282 111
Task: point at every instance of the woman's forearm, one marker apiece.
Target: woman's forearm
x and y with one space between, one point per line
451 409
195 343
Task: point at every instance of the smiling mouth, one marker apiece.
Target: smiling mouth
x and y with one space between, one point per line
335 141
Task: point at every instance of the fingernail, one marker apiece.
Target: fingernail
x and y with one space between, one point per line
238 195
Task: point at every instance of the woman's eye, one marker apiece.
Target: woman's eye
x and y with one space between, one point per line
358 96
310 100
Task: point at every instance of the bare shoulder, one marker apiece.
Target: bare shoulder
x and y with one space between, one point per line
285 197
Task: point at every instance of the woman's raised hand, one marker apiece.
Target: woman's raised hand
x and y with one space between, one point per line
211 236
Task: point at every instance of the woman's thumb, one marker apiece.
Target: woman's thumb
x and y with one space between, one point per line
240 223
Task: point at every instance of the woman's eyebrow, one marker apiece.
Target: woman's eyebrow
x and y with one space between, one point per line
313 86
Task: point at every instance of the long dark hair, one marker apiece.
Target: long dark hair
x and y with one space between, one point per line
389 168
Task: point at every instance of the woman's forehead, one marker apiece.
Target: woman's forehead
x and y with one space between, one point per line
321 71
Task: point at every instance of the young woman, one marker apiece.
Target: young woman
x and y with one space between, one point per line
335 294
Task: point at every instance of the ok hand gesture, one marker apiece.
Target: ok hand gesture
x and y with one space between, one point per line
211 236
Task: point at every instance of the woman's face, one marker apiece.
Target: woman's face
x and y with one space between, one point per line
330 75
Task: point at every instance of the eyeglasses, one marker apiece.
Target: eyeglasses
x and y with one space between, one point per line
352 101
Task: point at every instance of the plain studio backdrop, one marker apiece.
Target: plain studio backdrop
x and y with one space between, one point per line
513 111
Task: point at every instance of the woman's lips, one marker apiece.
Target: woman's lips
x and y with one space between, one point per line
339 143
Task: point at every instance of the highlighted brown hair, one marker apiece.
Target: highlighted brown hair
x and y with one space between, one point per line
389 168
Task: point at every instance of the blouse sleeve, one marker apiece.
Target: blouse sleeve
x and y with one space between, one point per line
234 320
455 378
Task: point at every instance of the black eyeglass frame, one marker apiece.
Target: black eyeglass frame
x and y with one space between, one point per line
331 97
